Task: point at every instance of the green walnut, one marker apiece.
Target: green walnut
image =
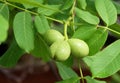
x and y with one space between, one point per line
78 47
60 50
52 35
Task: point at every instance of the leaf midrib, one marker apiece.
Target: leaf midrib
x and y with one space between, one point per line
24 27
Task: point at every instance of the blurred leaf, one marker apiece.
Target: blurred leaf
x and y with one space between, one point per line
97 40
117 5
84 32
70 80
82 4
4 22
41 24
107 11
67 4
90 80
49 12
23 31
106 62
11 56
65 72
41 50
86 16
115 78
91 7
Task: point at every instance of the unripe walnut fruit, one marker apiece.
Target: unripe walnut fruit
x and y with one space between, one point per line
52 35
60 50
78 47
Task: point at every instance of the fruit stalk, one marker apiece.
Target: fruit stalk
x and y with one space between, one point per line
81 73
65 30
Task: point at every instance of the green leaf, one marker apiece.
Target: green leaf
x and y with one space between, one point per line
82 4
41 24
3 28
69 62
70 80
47 11
97 40
11 56
4 20
90 80
23 31
84 32
65 72
34 1
86 16
115 78
91 7
106 62
115 27
4 11
107 11
117 5
55 2
41 50
67 4
35 4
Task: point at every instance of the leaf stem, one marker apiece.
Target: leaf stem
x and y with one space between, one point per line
34 13
81 73
59 21
71 18
21 8
109 29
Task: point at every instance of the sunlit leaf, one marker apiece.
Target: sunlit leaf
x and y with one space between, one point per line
106 62
41 24
87 16
35 4
4 22
35 1
97 40
23 31
84 32
47 11
107 11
